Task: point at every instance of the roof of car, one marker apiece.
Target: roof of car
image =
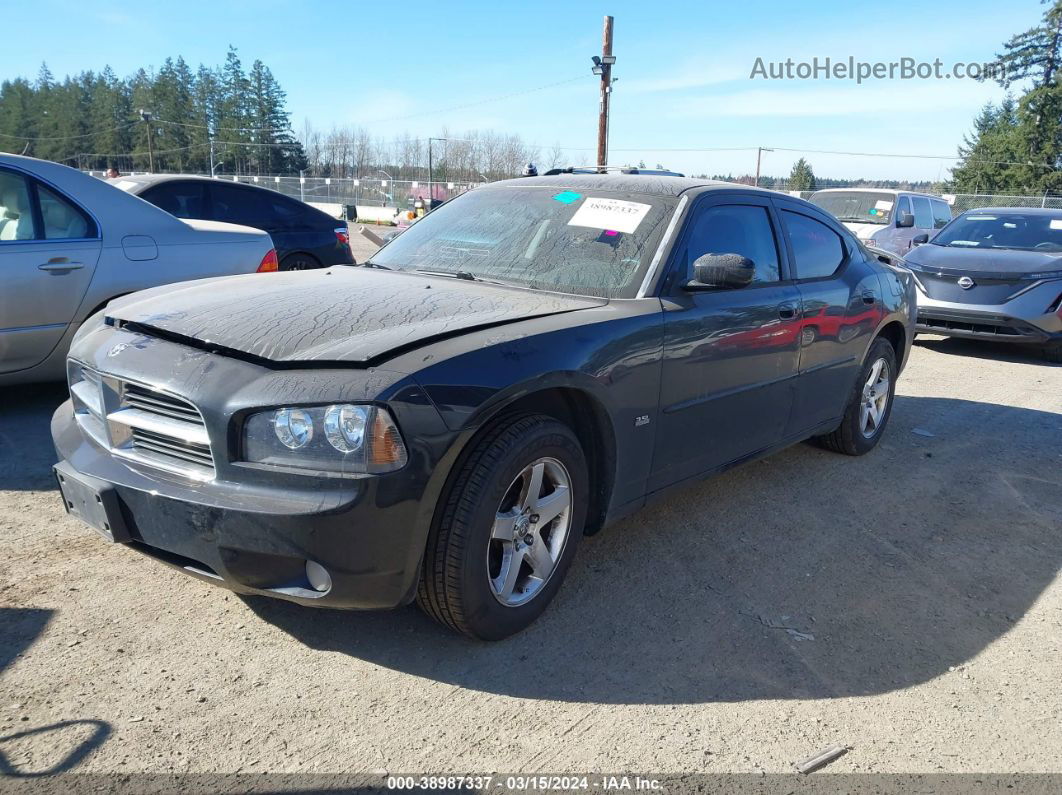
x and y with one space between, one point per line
151 179
1049 211
651 184
891 191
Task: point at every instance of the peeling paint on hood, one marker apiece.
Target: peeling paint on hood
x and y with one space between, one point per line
345 314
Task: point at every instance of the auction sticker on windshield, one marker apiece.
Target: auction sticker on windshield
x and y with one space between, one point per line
614 215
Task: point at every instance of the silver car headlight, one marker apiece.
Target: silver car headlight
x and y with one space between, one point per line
344 438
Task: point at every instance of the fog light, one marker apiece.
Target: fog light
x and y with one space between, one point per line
320 579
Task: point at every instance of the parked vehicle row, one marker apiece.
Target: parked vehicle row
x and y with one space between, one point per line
527 363
304 236
69 243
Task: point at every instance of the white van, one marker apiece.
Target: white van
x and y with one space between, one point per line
885 219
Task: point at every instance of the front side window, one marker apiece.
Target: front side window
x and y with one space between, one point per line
941 214
62 220
587 242
817 249
16 213
735 229
923 213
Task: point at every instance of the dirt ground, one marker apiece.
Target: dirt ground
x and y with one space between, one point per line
906 604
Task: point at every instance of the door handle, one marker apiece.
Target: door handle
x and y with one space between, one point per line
60 264
787 311
869 297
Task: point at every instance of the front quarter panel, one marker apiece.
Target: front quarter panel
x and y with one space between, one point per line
609 353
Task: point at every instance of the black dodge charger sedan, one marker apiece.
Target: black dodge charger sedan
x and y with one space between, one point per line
528 363
304 236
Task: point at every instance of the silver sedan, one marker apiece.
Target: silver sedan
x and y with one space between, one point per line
69 243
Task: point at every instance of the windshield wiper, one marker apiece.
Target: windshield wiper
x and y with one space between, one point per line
370 264
469 277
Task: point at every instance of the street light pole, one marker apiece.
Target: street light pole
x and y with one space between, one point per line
759 152
145 115
431 182
603 67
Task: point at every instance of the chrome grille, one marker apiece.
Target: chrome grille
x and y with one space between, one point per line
141 423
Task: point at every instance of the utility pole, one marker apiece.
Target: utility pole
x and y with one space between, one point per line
603 67
759 152
146 116
431 173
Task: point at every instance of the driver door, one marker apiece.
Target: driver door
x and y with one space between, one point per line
730 355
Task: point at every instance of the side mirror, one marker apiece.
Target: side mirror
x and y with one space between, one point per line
721 271
918 240
904 220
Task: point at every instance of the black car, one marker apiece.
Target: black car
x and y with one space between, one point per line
526 364
304 236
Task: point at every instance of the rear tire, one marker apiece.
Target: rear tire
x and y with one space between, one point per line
299 262
869 406
493 537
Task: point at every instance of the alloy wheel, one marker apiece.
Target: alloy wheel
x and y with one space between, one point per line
530 530
875 400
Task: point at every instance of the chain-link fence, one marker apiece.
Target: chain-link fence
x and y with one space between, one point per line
961 202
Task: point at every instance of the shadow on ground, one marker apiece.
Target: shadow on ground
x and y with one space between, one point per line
26 452
985 349
807 575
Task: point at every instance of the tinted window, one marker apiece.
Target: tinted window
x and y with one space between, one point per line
941 213
182 199
735 229
903 205
16 215
237 205
923 213
817 249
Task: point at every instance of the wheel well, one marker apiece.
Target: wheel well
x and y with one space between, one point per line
305 254
897 337
589 421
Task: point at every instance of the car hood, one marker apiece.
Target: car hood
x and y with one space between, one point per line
345 314
989 260
863 231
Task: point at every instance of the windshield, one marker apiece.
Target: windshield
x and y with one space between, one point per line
1003 230
550 238
865 207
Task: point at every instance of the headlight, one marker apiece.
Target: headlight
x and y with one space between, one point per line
345 438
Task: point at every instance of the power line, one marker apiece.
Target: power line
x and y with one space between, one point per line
67 137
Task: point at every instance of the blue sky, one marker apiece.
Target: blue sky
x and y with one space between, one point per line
683 70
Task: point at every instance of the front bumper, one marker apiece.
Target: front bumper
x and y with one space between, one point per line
1030 318
257 541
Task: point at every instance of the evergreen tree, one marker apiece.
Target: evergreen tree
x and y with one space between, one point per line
801 178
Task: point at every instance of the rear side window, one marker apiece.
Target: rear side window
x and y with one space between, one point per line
16 210
923 213
817 249
62 220
182 199
941 213
236 205
735 229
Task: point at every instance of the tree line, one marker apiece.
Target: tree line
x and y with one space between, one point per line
1016 146
182 119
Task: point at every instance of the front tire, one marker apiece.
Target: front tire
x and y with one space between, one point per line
869 406
507 530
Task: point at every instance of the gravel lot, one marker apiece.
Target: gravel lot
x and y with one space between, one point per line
906 604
